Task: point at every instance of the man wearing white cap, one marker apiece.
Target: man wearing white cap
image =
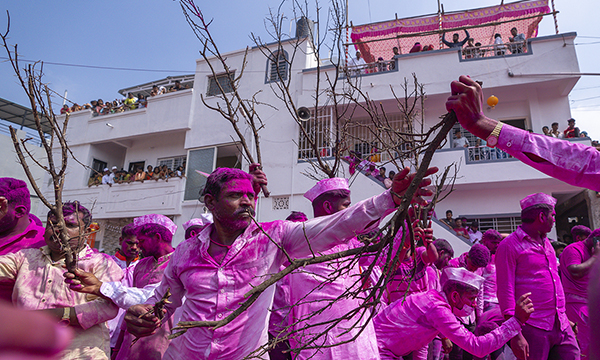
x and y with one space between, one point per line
315 291
194 226
219 269
154 233
526 263
408 325
108 177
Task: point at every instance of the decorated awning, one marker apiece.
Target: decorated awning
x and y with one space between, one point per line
377 40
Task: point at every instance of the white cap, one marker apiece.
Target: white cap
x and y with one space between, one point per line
203 220
326 185
461 275
114 168
105 169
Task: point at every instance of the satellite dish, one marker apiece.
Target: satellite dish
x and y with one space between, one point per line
303 114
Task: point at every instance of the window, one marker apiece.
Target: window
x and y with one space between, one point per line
173 162
277 67
133 166
318 130
98 166
377 146
225 81
506 225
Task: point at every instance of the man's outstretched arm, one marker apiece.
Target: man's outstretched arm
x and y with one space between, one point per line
573 163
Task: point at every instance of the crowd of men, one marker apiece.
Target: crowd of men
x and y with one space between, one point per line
507 296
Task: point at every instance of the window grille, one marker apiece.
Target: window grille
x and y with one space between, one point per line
223 80
319 131
277 67
281 202
172 162
363 138
506 224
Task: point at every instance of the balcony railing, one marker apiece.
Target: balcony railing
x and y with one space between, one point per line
496 50
378 67
486 154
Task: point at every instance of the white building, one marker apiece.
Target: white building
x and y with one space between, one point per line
177 127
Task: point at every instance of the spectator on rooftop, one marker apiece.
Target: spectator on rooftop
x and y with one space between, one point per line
499 47
107 109
65 109
154 91
571 131
416 48
518 39
583 134
396 51
75 107
149 172
470 49
427 47
455 42
99 106
357 65
381 65
131 101
459 140
177 86
555 132
142 102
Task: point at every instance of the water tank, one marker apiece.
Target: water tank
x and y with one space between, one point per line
304 28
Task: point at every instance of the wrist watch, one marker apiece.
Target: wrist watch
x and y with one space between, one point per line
66 318
492 140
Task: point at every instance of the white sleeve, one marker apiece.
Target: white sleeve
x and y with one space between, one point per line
124 296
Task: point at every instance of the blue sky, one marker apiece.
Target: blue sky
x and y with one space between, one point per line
153 35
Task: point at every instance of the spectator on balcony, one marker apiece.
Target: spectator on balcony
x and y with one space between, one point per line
546 131
381 175
106 178
76 107
455 42
518 40
180 171
416 48
149 172
427 47
571 131
499 47
357 65
140 175
583 134
131 101
95 179
555 132
449 221
460 230
474 234
107 109
388 180
459 140
65 109
99 106
113 173
157 174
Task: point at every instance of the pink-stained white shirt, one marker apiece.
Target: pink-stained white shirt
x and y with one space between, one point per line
31 238
214 290
148 274
573 163
314 296
114 325
40 285
524 265
490 294
409 325
409 279
575 254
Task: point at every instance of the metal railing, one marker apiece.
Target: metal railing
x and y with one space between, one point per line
33 138
484 153
495 50
381 66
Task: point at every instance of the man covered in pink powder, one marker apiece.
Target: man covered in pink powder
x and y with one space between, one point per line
17 230
526 263
315 292
219 268
573 163
154 233
576 262
408 325
490 239
194 226
39 284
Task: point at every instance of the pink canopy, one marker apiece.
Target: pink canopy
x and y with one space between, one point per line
519 14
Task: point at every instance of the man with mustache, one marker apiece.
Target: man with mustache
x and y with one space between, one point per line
220 267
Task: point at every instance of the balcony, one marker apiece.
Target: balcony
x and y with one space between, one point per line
131 200
164 113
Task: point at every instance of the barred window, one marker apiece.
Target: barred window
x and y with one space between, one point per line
318 130
172 162
225 81
277 67
507 224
